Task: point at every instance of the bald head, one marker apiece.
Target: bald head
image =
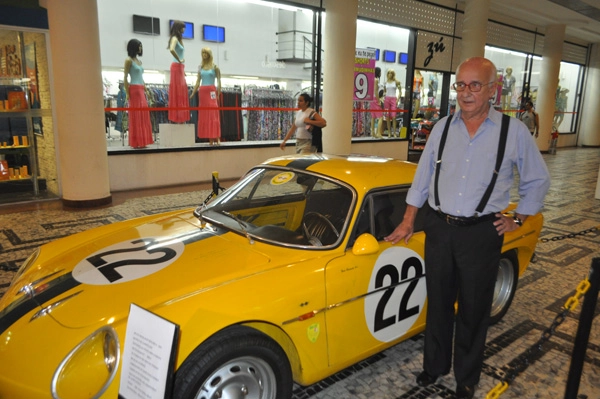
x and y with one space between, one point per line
484 65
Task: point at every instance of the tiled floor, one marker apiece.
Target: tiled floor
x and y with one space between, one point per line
544 288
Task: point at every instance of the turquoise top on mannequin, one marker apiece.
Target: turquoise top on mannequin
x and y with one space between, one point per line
136 71
179 50
208 77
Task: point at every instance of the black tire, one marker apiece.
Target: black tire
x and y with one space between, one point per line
506 285
238 362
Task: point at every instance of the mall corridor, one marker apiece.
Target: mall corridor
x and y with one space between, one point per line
548 282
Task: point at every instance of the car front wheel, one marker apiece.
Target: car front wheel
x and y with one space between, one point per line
240 362
506 285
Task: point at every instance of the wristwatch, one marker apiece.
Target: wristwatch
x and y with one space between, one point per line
518 221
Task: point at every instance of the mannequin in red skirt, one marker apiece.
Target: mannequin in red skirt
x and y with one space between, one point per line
208 85
178 92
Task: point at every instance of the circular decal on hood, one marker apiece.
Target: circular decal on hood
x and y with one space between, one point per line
127 261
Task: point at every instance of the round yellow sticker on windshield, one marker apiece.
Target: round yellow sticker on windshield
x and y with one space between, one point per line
282 178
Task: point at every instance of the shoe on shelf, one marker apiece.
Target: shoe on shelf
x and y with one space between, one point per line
424 379
465 391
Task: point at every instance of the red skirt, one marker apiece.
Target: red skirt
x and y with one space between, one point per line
209 122
178 94
140 129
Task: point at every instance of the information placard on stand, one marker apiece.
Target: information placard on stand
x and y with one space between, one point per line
148 356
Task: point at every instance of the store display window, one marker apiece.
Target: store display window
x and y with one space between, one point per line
233 76
27 145
382 113
567 92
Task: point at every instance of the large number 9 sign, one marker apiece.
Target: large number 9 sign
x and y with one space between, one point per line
361 86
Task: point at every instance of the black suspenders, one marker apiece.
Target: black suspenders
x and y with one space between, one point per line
499 158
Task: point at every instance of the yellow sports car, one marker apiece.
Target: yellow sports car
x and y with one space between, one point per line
282 278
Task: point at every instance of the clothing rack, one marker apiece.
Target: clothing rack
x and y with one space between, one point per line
273 122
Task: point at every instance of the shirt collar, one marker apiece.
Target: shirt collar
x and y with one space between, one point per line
494 116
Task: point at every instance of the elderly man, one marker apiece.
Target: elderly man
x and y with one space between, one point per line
463 196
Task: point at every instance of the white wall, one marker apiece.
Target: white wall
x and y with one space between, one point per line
136 171
250 46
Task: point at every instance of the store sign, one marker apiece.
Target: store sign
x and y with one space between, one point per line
364 74
434 52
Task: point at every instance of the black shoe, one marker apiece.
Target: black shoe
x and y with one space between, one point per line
424 379
465 391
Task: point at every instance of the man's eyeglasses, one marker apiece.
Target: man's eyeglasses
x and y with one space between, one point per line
474 87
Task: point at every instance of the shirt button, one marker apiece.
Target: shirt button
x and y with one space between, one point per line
460 194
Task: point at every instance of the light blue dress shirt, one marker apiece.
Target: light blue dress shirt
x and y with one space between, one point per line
468 163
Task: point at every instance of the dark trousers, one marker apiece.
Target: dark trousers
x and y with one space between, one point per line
461 263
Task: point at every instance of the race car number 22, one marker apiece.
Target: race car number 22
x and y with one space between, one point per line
126 261
396 293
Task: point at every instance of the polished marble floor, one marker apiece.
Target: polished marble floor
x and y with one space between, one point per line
560 265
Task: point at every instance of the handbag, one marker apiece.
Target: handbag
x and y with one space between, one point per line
317 134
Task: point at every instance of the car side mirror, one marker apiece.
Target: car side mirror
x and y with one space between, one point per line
365 244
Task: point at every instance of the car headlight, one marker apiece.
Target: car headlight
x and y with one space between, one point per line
27 264
89 368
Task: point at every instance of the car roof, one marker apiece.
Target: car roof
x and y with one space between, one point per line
363 172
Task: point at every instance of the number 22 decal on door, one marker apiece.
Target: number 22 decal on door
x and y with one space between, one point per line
396 293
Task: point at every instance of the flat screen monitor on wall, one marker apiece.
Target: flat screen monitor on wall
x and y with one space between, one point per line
389 56
212 33
188 33
403 58
146 25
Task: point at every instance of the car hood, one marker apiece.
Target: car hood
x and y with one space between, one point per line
94 276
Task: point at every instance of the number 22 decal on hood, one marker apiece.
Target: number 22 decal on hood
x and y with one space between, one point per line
127 260
397 293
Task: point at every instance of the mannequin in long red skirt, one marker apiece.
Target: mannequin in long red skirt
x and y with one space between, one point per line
208 85
140 129
178 92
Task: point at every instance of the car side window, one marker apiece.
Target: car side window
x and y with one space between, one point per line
381 212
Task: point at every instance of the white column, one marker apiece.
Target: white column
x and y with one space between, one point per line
78 101
338 74
474 32
589 134
550 69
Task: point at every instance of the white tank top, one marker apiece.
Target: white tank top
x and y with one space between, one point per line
390 89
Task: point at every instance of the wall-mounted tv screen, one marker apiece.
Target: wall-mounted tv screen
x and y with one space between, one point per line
146 25
389 56
212 33
188 33
403 58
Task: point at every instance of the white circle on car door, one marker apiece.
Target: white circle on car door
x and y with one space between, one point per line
397 293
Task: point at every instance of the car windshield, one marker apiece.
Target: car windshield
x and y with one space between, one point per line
284 207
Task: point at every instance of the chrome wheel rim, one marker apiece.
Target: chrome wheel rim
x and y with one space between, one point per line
241 378
504 286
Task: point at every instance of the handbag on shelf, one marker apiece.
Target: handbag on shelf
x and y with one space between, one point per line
317 134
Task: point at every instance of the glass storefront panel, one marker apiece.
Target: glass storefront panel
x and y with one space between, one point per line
383 116
565 110
27 144
264 53
512 74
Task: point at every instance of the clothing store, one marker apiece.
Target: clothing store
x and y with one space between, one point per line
240 65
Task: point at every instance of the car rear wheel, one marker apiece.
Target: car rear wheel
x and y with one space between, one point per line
240 362
506 285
